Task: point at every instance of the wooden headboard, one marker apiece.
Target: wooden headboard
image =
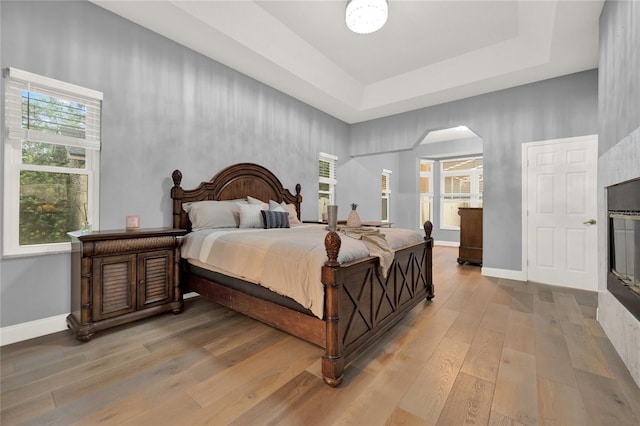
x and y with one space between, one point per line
234 182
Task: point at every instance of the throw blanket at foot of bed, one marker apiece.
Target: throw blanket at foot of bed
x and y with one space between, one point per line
375 242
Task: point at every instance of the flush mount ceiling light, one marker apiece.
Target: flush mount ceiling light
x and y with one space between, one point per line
366 16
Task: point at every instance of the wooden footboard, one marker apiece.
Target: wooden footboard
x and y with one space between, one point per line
361 305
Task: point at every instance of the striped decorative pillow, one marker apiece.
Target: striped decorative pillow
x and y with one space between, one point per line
273 219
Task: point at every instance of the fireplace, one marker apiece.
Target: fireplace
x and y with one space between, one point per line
623 279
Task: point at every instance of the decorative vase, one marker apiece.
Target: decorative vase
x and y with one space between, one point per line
332 217
353 220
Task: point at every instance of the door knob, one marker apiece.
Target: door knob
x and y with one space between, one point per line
590 222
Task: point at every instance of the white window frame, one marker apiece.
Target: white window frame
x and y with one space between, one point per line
428 195
15 81
475 196
332 180
386 194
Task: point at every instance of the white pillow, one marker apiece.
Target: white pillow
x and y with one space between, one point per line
293 214
284 207
250 216
262 204
276 207
212 214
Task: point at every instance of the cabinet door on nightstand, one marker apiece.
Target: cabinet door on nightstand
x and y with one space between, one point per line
155 283
114 284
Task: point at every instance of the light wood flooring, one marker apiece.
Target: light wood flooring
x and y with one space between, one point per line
485 351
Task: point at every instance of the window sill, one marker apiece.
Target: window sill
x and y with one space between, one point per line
21 253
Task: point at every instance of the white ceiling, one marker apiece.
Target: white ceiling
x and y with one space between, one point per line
429 51
449 134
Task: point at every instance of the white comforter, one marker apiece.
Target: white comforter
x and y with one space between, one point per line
287 261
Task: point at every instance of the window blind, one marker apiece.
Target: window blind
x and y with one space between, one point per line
385 176
327 168
41 109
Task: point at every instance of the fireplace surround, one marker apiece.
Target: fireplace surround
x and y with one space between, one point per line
623 277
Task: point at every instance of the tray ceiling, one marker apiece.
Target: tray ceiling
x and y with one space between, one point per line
429 52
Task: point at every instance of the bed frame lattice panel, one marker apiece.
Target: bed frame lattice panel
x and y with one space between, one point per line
374 302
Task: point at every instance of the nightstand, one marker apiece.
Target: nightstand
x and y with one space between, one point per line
121 276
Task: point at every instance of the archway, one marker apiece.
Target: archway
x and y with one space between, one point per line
452 158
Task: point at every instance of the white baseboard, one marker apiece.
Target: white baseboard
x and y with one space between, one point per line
508 274
446 243
29 330
32 329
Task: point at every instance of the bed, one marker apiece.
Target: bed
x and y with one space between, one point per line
359 304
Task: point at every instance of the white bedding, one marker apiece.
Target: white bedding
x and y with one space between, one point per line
287 261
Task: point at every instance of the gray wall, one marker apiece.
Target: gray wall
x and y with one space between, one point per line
165 107
619 80
619 155
359 181
618 108
551 109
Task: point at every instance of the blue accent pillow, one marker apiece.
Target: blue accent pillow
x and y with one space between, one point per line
273 219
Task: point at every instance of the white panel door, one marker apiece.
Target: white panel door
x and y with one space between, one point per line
561 234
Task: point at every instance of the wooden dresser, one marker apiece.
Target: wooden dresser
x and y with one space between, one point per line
122 276
470 235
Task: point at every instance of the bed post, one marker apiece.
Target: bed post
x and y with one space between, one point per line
333 359
298 199
176 194
428 227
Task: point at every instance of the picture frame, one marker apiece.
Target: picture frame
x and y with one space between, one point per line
132 223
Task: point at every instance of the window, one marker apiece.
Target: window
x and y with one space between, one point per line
52 154
461 186
327 184
426 191
386 192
